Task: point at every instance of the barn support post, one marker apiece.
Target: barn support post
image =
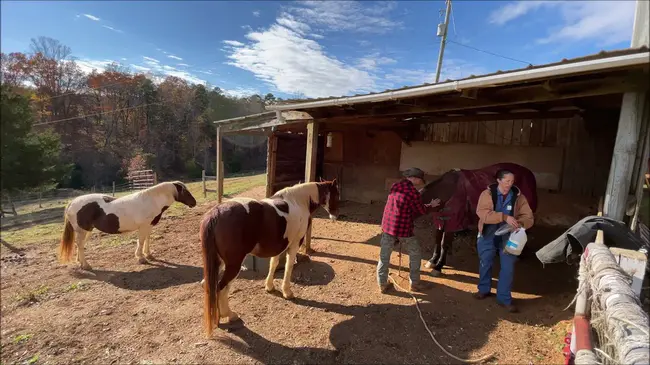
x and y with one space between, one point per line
270 163
310 167
219 166
205 193
634 113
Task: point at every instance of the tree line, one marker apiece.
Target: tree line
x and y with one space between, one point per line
63 127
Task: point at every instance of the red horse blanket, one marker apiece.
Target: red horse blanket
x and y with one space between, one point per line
459 212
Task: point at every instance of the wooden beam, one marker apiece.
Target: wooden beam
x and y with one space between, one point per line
270 163
495 117
310 168
266 121
219 166
509 96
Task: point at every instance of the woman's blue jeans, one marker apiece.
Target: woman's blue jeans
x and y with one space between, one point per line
487 247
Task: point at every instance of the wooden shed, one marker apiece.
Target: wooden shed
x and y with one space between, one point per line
560 120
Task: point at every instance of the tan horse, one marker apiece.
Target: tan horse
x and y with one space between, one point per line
264 228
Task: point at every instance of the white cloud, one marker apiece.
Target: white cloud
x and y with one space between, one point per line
514 10
183 65
206 72
256 13
150 61
346 15
241 92
317 36
234 43
371 62
606 22
453 69
87 66
175 57
290 22
294 64
140 68
113 29
123 59
91 17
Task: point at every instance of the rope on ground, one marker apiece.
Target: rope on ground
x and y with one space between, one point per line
433 337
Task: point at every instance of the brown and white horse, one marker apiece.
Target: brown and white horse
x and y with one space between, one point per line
139 211
266 228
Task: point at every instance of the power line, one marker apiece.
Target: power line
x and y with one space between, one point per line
491 53
96 114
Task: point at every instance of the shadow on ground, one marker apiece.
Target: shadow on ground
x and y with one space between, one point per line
160 275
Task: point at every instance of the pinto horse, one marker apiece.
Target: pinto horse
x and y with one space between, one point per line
139 211
458 191
264 228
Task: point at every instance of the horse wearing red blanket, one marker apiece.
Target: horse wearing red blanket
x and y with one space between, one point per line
458 191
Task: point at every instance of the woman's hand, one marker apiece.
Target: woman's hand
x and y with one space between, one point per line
434 203
513 222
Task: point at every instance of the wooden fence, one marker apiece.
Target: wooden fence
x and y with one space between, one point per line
142 179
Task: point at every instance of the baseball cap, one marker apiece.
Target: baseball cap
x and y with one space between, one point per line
414 172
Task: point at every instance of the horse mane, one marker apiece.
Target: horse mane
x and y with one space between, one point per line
167 186
299 192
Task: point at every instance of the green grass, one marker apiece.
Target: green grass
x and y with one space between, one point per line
45 224
22 338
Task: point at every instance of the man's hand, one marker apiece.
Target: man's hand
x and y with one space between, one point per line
434 203
513 222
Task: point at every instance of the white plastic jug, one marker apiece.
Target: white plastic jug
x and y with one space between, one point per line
516 242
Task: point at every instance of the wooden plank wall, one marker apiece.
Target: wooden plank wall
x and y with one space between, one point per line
291 151
587 146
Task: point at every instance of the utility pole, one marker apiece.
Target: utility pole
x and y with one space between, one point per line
442 31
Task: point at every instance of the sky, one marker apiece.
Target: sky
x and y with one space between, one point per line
317 48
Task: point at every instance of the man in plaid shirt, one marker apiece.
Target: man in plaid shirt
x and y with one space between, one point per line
403 205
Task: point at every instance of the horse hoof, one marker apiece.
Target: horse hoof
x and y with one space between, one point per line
149 257
310 251
269 289
428 265
85 267
142 260
288 295
436 273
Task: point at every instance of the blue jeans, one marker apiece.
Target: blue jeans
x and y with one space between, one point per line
386 249
487 248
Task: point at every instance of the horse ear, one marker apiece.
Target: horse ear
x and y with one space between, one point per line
320 178
335 183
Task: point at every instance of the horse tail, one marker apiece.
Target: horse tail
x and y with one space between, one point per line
211 263
67 241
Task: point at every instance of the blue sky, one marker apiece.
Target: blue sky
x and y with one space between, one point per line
317 48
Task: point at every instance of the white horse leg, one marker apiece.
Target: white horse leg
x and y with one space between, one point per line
269 278
143 235
82 236
146 250
288 269
225 307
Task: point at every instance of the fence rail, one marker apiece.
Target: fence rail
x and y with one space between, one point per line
136 180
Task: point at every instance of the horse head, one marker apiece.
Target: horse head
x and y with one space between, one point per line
442 188
328 197
183 195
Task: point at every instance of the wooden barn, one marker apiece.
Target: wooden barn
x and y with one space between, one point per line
560 120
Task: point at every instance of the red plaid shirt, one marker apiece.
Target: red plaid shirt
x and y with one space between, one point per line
403 205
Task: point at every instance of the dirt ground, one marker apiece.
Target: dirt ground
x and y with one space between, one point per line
127 313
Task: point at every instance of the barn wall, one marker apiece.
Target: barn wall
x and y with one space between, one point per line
568 155
368 160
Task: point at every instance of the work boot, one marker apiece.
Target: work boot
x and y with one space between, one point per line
418 287
510 307
383 288
481 296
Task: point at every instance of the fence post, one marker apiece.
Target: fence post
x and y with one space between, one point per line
155 178
113 188
203 179
40 197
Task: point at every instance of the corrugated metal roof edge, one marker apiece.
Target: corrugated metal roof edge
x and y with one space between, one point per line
291 104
